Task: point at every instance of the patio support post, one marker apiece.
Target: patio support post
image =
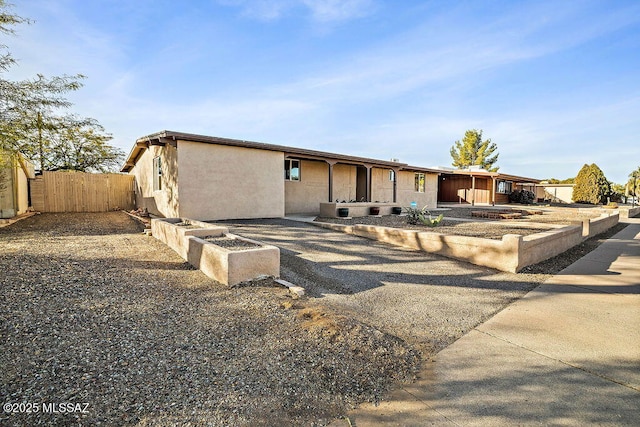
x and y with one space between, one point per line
395 184
331 164
473 190
493 191
368 189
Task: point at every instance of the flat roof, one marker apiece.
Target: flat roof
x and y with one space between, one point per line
485 173
166 136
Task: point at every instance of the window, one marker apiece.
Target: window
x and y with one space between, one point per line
292 170
392 175
504 187
419 182
157 173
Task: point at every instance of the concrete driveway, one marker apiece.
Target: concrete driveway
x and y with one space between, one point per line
427 300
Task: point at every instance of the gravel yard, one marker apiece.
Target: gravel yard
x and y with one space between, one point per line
459 221
550 214
479 228
93 311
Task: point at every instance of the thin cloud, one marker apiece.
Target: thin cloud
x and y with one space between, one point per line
262 10
338 10
323 11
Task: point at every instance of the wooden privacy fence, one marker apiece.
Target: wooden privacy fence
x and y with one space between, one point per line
82 192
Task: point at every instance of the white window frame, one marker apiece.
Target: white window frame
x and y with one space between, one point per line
157 173
504 187
289 165
419 182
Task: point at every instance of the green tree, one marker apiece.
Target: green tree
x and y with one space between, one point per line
632 188
82 146
31 115
617 192
591 186
473 151
558 181
29 109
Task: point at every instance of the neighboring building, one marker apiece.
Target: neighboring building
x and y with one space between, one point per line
475 185
15 172
555 193
210 178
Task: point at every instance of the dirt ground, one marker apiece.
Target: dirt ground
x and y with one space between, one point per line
92 311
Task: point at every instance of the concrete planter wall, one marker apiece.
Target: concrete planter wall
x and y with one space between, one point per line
231 267
330 210
226 266
629 212
175 236
512 253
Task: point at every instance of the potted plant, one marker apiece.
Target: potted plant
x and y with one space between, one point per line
374 210
396 210
343 212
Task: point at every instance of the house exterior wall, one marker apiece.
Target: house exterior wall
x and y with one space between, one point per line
382 187
406 190
14 186
22 191
225 182
7 206
557 193
162 202
305 196
345 182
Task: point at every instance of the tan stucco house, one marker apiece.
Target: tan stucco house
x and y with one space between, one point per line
15 172
211 178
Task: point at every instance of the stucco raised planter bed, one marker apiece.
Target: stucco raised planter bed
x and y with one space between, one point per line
512 253
225 257
331 210
175 231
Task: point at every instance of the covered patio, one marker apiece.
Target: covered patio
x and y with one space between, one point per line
478 186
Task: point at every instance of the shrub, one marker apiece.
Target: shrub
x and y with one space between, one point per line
522 196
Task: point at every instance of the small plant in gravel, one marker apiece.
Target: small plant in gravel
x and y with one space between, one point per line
422 216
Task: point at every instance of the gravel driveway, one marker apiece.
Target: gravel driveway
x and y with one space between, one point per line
425 299
94 313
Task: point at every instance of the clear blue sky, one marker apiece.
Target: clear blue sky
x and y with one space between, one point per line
555 84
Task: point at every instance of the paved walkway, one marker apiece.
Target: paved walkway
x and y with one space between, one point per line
568 353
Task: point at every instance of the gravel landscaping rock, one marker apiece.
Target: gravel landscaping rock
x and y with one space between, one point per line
479 228
93 311
550 214
230 243
427 300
